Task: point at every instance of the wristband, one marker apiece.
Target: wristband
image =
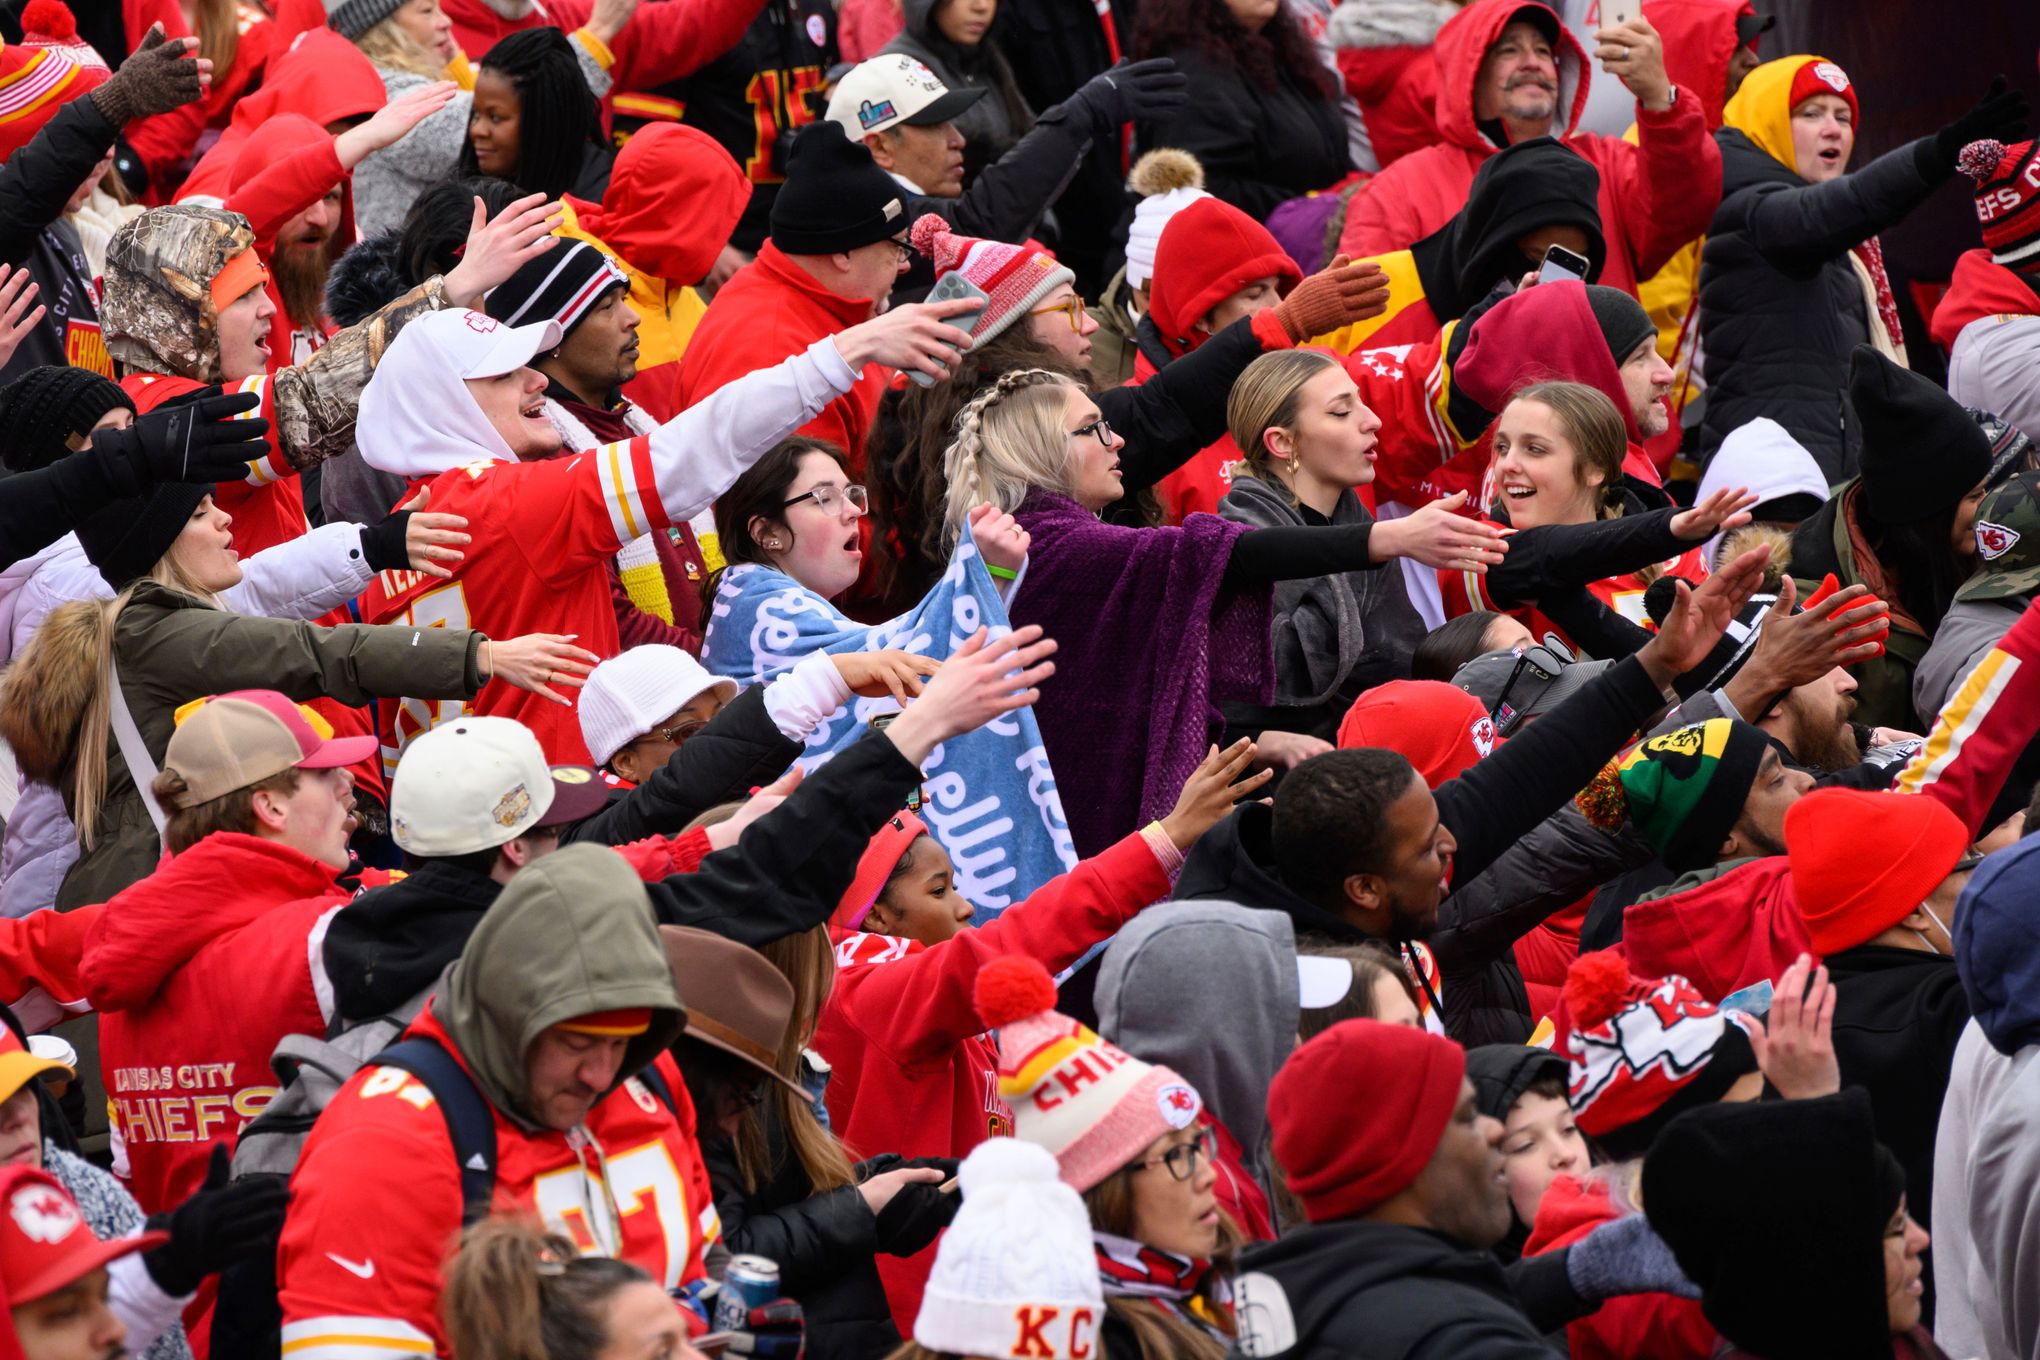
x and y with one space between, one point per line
1164 849
1002 573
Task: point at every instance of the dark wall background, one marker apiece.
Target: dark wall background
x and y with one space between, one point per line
1916 65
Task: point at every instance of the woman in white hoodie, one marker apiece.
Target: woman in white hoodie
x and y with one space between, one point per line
1764 458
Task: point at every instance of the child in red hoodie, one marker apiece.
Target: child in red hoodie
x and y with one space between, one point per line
912 1070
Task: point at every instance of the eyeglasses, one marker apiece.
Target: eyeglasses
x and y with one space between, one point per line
1182 1159
1099 427
1072 307
678 734
903 250
828 498
1544 660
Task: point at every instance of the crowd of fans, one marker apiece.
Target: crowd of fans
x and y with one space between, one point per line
933 680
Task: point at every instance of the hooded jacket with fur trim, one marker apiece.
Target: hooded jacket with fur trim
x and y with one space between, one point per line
1655 193
1383 48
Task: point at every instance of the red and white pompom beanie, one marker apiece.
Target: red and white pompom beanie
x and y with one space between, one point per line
1016 277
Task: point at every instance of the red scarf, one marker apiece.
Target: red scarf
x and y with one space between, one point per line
1128 1269
1871 253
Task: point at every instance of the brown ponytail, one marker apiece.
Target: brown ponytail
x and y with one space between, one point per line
516 1292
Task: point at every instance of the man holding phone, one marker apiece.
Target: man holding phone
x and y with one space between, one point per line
1509 71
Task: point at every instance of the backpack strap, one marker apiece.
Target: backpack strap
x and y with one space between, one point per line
468 1118
141 765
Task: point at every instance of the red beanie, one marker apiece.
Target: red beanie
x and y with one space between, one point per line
874 867
2007 182
1208 252
1849 897
1439 728
1400 1086
1824 77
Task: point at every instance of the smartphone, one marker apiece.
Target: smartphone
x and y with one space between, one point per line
1615 13
955 286
1560 263
919 796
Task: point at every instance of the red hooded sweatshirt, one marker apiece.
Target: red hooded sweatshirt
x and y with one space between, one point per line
1981 287
323 76
913 1070
1207 252
166 140
1743 926
1661 1326
1700 42
1397 90
674 197
663 41
1656 194
287 165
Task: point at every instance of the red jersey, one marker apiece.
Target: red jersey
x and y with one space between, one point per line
376 1204
543 533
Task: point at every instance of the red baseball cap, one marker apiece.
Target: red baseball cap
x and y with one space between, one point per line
229 741
44 1242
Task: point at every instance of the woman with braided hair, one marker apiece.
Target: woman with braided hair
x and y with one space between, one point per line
1156 625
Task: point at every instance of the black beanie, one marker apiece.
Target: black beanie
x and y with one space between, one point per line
1623 322
1921 451
559 285
126 538
45 407
835 196
1777 1210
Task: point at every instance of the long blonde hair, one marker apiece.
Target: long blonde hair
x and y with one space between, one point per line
1009 441
389 47
218 29
1265 397
808 961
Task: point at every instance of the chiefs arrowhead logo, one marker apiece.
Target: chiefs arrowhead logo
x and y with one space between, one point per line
44 1213
1994 540
1832 76
1483 734
1178 1105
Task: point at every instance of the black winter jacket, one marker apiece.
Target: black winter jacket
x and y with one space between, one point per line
740 749
1382 1292
35 184
37 508
1781 306
1259 148
391 943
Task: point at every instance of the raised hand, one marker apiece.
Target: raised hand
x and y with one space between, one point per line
726 833
980 681
1725 509
914 338
17 295
392 121
1210 792
1440 537
1634 54
433 541
1338 295
999 537
496 250
1698 618
1795 1047
204 440
538 661
877 674
160 75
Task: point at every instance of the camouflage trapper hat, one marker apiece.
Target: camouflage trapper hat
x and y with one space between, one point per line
2007 542
158 311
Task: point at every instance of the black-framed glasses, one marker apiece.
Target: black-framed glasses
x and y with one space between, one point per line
1100 427
828 499
1544 660
904 249
1182 1159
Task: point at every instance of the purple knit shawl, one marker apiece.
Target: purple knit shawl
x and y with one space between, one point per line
1150 642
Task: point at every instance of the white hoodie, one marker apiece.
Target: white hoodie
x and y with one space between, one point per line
1767 460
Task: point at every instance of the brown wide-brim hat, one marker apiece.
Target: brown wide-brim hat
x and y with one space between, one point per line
736 1000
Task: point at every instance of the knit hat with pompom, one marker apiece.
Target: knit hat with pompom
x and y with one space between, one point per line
2007 180
1015 277
1168 181
1016 1273
1092 1104
1642 1051
50 67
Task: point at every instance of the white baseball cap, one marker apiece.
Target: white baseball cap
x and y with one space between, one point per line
633 691
475 345
893 89
476 783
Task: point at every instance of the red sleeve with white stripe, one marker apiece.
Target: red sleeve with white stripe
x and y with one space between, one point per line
272 465
1989 719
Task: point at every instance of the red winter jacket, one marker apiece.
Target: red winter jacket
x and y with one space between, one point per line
664 40
376 1203
323 76
914 1072
769 311
1661 1326
287 165
165 141
1981 287
1743 926
1656 194
41 956
1397 90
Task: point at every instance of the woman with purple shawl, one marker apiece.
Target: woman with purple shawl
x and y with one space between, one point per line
1156 625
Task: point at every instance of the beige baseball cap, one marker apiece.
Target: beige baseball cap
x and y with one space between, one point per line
229 741
478 782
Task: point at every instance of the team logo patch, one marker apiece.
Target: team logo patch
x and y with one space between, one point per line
1178 1105
870 115
44 1213
1832 76
484 324
817 30
1994 540
1483 734
512 806
570 774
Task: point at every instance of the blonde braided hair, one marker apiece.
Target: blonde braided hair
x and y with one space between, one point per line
1009 441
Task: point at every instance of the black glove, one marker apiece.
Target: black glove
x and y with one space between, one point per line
777 1330
157 77
1131 92
918 1213
225 1221
877 1166
383 545
2000 115
194 441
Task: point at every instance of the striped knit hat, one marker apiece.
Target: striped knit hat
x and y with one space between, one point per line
560 285
50 68
1086 1100
2007 182
1016 277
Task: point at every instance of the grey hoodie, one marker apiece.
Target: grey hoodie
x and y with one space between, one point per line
1208 989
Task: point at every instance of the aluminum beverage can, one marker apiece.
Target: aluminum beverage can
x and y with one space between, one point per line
748 1282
